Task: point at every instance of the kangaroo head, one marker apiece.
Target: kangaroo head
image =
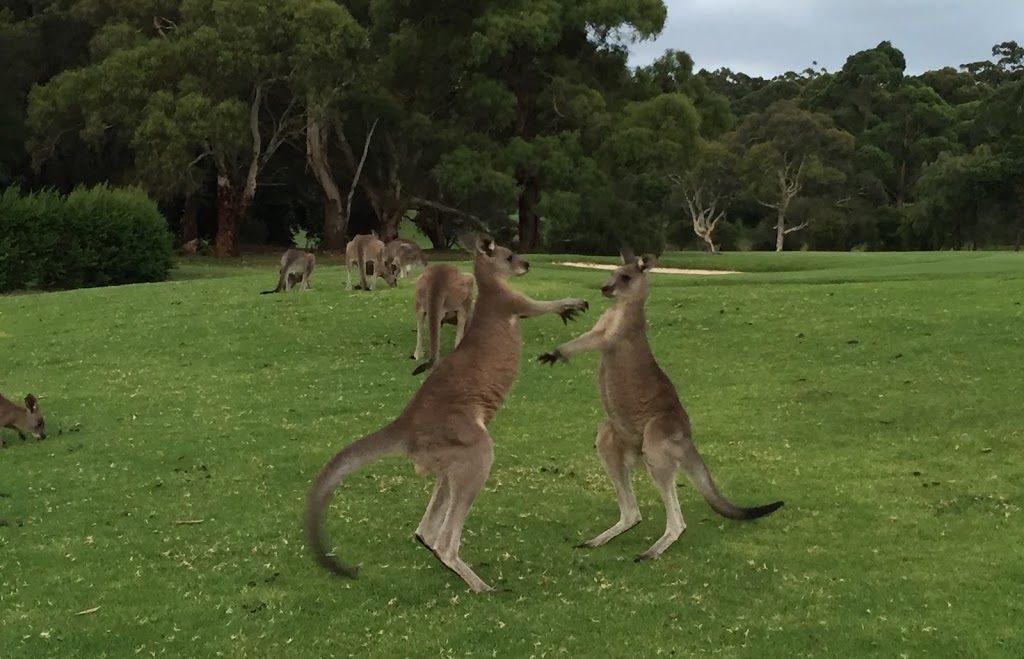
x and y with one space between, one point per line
494 259
34 419
389 273
630 279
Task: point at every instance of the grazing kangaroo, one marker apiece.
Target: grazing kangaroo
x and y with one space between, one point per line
645 418
403 255
362 250
20 418
441 290
443 429
295 264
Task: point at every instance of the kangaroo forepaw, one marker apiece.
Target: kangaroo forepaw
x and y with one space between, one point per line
552 357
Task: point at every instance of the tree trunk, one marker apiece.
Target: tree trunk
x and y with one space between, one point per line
429 222
335 219
390 221
335 225
901 186
231 206
710 244
1016 244
190 219
780 229
528 220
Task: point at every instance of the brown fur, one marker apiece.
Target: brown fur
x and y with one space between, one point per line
28 418
401 256
441 290
443 429
646 422
364 249
294 263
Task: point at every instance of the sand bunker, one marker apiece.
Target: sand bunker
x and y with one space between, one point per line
672 271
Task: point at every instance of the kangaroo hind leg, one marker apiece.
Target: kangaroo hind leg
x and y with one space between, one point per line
616 460
662 456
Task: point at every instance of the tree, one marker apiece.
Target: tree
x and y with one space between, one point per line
673 73
213 90
917 125
528 82
652 142
790 150
1008 66
17 44
328 54
856 97
707 190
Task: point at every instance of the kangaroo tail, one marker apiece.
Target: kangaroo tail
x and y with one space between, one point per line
435 311
701 479
280 282
383 443
361 258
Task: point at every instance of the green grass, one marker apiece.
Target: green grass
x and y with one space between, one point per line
878 395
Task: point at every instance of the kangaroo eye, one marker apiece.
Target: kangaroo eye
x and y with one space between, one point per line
510 257
625 279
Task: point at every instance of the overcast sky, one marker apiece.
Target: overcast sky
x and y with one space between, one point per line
768 37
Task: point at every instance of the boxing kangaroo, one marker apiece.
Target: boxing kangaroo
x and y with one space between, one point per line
645 418
443 429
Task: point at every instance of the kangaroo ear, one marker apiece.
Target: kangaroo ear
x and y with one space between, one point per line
627 255
468 240
374 233
477 242
31 403
646 262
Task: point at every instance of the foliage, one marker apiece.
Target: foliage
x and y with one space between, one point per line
92 237
511 116
304 240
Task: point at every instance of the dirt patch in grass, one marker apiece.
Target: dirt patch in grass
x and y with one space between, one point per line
672 271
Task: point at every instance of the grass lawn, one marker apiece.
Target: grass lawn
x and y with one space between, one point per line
879 395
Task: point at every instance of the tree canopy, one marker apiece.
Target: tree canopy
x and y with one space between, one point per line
246 121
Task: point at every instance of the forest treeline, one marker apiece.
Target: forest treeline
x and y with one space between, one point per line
248 121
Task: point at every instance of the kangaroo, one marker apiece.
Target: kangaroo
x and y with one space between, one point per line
295 263
361 250
443 429
441 290
403 255
20 418
645 418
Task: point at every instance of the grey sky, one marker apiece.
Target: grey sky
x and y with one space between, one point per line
768 37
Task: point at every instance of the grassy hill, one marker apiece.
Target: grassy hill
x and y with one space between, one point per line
877 394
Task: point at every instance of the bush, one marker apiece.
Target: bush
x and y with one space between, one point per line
99 236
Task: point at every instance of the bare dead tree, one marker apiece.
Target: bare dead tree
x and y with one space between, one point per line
164 25
704 209
788 176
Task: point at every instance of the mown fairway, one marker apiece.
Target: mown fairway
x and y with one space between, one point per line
879 395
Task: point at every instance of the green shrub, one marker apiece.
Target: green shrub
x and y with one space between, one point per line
98 236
